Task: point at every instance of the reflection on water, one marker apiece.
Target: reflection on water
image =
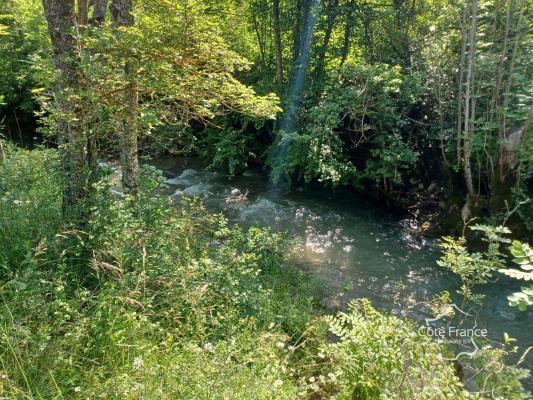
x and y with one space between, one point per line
353 248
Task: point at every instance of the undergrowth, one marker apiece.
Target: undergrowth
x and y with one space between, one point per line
144 300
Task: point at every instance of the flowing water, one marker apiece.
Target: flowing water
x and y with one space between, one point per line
352 247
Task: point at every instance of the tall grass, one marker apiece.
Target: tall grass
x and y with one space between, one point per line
30 207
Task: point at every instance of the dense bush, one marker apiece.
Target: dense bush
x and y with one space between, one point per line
357 131
236 145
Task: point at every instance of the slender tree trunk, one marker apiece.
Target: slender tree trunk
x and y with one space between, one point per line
83 19
469 119
321 62
495 101
277 41
507 174
508 86
61 19
495 108
348 27
97 18
260 42
129 151
460 85
2 152
121 10
83 11
297 31
99 11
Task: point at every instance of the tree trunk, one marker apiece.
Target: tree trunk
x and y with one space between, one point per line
506 175
61 18
121 10
469 119
99 11
348 27
321 62
460 85
506 95
2 152
129 151
260 43
297 31
277 42
495 101
97 18
83 11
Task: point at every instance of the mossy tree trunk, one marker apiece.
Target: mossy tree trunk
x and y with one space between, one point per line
61 18
121 11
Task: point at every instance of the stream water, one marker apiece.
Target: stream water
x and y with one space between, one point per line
351 246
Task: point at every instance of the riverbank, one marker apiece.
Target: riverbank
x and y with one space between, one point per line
154 301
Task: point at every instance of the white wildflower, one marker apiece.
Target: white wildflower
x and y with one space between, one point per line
138 362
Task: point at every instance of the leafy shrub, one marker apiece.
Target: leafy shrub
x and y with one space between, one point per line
232 148
380 356
474 268
523 257
489 371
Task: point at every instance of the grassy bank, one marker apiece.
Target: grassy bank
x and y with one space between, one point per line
150 301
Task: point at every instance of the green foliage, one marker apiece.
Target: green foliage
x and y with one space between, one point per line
23 45
159 302
360 117
477 268
496 376
523 257
288 154
474 268
231 148
381 356
488 368
181 65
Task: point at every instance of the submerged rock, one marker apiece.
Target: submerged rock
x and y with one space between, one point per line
236 197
